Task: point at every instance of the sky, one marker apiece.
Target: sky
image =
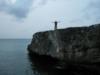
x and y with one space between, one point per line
23 18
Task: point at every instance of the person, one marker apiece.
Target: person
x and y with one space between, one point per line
56 23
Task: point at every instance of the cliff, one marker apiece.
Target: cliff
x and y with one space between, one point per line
76 44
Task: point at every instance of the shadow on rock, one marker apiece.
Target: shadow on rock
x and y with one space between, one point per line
45 65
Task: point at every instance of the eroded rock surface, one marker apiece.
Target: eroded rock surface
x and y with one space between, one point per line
77 44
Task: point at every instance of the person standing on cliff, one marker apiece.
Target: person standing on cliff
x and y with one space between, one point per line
56 23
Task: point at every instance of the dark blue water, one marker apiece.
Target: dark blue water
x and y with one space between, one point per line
14 57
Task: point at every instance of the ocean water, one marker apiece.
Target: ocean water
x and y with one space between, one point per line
14 57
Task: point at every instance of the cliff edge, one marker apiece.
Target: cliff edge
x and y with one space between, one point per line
77 44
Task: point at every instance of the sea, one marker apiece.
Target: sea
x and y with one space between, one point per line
14 58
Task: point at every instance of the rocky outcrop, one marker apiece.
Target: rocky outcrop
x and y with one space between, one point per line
77 44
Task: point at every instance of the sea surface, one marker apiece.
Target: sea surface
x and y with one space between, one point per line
14 58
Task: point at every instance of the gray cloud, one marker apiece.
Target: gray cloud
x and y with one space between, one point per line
92 11
20 9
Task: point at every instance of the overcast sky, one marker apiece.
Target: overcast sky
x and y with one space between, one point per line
23 18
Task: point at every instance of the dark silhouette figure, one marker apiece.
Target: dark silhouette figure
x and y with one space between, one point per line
56 23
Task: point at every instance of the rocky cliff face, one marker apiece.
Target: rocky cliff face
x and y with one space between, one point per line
76 44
